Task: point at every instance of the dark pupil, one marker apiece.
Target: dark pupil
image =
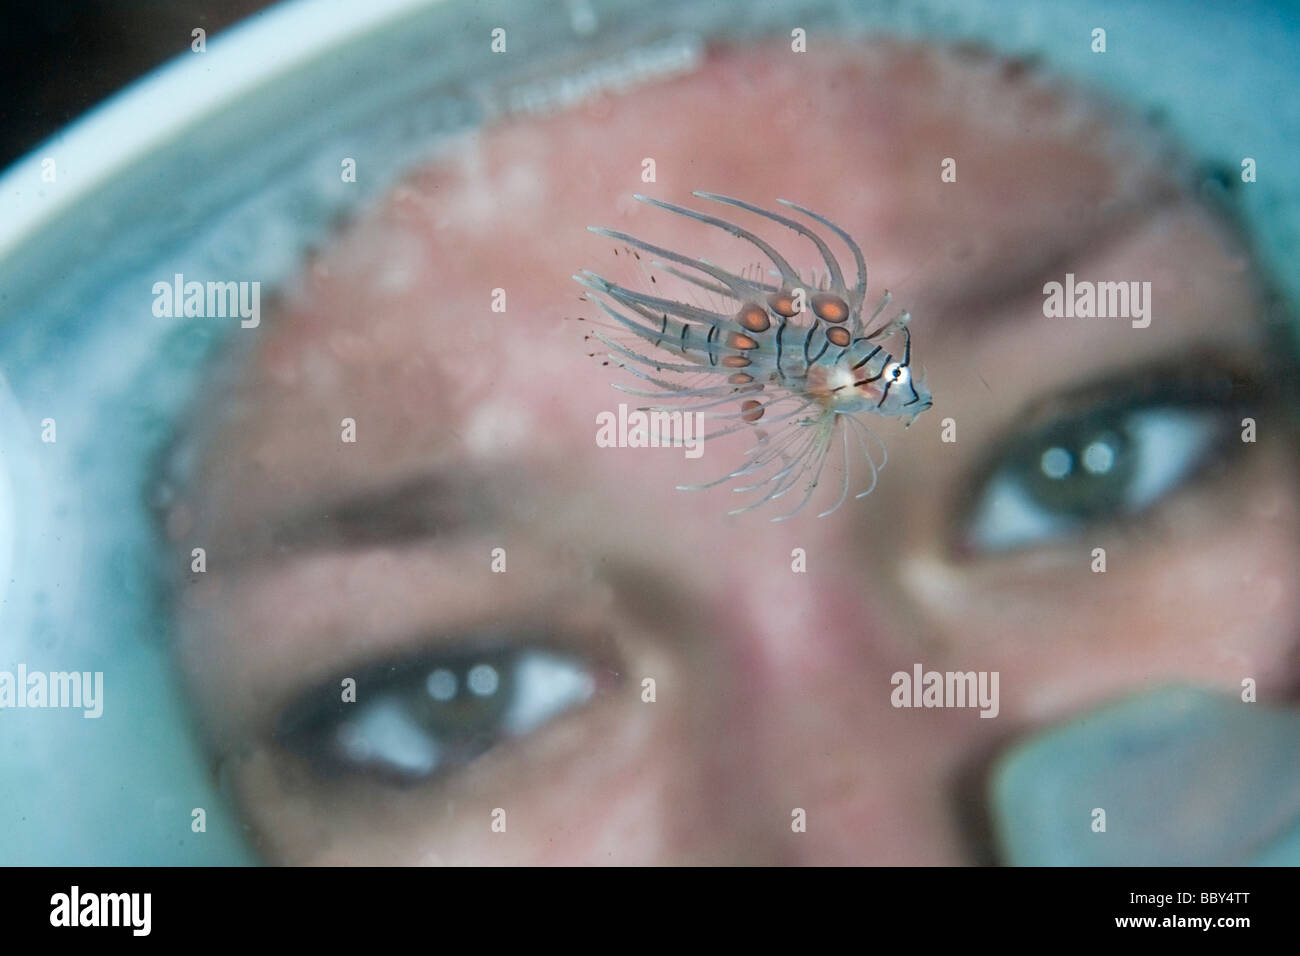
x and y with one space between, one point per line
448 698
466 711
1082 470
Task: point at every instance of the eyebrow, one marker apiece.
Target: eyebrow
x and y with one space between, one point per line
400 513
1192 374
985 303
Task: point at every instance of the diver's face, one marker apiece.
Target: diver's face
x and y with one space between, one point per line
633 677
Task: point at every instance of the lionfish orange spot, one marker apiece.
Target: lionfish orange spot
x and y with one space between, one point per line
682 352
832 308
782 303
753 318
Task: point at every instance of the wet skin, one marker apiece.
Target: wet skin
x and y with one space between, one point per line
773 687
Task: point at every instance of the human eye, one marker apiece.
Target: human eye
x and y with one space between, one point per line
417 719
1116 451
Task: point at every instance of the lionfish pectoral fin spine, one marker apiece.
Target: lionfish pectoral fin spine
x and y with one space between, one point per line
708 286
787 271
656 364
828 257
845 469
859 260
654 303
740 288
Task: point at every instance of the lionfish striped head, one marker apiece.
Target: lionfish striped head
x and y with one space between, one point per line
796 361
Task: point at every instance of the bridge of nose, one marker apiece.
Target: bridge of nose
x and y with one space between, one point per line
807 719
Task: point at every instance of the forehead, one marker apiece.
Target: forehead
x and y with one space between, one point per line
393 325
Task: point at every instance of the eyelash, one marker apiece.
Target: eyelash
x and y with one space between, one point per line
1008 512
419 719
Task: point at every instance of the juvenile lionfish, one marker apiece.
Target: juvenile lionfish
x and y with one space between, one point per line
793 353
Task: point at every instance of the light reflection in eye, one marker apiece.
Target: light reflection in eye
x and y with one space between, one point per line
1090 473
554 686
1099 457
412 722
441 684
483 680
384 733
1173 445
1056 462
